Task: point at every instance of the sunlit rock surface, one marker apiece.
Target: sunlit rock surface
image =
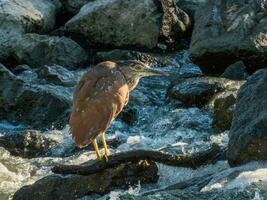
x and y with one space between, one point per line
120 24
22 16
226 31
38 50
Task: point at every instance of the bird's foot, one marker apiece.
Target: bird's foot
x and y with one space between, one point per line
106 157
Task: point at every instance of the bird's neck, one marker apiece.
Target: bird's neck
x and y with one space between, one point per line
132 83
130 80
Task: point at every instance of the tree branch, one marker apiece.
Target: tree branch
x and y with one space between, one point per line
184 160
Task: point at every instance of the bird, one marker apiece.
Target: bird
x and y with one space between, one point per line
100 95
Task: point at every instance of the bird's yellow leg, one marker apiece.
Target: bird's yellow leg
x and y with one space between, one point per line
95 146
103 139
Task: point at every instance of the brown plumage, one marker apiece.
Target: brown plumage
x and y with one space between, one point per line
100 96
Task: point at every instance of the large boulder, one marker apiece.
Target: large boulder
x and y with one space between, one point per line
22 16
41 106
248 133
28 15
38 50
132 23
198 91
76 186
226 31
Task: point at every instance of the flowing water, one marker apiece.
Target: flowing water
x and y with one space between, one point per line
159 125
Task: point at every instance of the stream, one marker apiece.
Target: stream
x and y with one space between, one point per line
159 124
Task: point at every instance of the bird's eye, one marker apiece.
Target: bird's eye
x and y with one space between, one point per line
138 67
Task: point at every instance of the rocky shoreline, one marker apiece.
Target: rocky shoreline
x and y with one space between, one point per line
216 54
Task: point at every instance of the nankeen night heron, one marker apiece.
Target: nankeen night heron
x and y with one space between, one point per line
100 96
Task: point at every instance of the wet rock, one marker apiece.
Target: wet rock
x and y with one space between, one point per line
129 115
246 193
76 186
248 133
117 23
57 75
226 31
149 58
224 105
28 144
37 50
198 91
236 71
41 106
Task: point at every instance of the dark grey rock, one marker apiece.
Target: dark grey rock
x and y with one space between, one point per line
38 50
74 186
198 91
18 17
226 31
27 144
41 106
58 75
248 133
189 6
117 23
236 71
74 6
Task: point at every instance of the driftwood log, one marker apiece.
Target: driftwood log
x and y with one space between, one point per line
183 160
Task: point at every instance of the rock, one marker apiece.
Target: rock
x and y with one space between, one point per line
41 106
135 23
224 105
150 58
236 71
248 133
57 75
129 115
190 6
76 186
28 16
28 144
20 16
74 6
247 193
197 91
37 50
226 31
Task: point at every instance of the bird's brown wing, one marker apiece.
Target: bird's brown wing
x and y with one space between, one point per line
96 103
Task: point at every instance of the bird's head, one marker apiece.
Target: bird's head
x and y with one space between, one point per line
134 70
138 69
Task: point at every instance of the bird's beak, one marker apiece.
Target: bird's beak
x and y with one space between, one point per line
152 72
